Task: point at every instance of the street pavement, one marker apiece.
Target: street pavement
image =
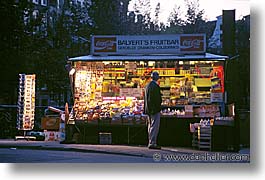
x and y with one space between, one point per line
166 154
13 155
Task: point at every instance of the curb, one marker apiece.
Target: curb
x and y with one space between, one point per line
84 150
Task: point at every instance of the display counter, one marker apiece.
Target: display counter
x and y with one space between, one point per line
108 89
89 133
174 131
108 98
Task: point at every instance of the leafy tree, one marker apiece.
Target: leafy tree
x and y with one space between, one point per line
142 9
14 39
175 21
194 22
175 17
243 65
156 20
105 16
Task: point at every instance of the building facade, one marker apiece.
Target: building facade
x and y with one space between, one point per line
215 42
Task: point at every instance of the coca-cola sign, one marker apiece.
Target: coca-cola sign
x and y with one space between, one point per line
149 44
192 43
105 44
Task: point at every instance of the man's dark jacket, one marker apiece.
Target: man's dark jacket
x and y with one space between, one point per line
152 98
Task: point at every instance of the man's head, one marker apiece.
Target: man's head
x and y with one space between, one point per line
155 76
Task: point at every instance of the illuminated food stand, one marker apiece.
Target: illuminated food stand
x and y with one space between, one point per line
108 87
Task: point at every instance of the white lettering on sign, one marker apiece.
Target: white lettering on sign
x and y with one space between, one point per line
192 43
108 44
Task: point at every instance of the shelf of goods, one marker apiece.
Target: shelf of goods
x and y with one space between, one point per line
212 110
113 92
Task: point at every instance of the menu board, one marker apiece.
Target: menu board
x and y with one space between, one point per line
26 102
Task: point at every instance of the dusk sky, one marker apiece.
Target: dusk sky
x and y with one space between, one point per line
213 8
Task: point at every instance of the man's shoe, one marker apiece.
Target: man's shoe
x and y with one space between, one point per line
154 147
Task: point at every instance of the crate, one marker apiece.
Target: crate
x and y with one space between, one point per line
204 137
105 138
194 131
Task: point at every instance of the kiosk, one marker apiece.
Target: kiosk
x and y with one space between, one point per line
108 87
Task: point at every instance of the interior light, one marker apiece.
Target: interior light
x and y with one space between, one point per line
151 63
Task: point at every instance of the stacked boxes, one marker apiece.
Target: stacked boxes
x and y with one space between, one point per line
204 137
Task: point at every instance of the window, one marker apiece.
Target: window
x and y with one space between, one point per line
35 14
44 2
36 1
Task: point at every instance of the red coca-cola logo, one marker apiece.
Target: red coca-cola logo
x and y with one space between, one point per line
105 44
192 43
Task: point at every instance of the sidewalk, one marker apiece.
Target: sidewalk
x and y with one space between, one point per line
140 151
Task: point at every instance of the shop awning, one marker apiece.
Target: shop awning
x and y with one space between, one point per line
206 56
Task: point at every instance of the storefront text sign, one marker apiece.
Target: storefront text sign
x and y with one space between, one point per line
149 44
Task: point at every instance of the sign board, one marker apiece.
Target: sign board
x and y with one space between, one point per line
26 102
202 82
148 44
113 98
52 135
50 123
216 97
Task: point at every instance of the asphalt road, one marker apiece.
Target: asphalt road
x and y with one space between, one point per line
13 155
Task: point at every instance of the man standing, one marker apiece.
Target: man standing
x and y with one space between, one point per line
152 107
